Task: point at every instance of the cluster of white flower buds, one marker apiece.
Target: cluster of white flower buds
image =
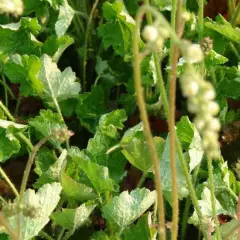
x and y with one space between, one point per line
14 7
154 36
201 102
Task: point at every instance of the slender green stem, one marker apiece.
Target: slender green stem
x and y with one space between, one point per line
144 117
211 187
184 219
7 88
9 182
29 165
67 235
142 179
77 21
200 18
6 94
60 236
184 165
176 23
18 105
113 148
231 5
189 183
45 235
238 215
235 15
213 77
26 140
86 43
186 210
235 51
201 28
61 116
149 15
3 200
5 110
27 172
11 233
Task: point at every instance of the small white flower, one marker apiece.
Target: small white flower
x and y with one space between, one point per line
200 123
209 94
14 7
214 154
213 108
163 32
190 89
150 33
193 53
186 16
214 125
193 107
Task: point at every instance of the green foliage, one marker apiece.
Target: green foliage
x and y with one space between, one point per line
72 219
19 38
126 208
45 123
58 86
27 69
9 144
117 30
142 230
137 153
91 177
224 28
48 197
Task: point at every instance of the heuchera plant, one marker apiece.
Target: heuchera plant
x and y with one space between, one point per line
98 140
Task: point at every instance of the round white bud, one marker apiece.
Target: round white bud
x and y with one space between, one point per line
164 32
213 154
193 54
190 89
199 123
209 94
150 33
186 16
213 108
192 107
214 125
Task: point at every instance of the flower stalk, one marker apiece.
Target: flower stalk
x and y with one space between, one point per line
147 130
